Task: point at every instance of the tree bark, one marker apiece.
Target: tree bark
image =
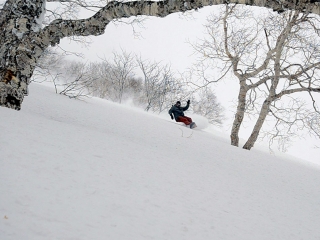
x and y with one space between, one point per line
257 127
239 115
19 22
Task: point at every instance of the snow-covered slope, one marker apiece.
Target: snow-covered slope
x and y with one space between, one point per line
98 170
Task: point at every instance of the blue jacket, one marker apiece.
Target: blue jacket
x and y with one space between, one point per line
177 111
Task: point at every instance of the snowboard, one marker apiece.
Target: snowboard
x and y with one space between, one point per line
193 125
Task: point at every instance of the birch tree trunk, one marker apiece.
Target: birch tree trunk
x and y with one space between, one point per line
258 125
238 118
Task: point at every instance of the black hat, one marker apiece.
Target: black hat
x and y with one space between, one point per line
178 102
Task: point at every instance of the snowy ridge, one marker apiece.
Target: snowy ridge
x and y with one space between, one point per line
98 170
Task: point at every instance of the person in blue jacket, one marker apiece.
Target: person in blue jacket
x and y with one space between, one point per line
176 112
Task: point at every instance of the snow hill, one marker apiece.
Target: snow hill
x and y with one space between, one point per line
96 170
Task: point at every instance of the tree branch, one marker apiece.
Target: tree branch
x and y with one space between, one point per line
96 24
290 91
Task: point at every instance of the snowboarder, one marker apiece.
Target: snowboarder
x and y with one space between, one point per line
176 112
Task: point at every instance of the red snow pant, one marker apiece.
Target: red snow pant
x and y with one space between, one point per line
184 119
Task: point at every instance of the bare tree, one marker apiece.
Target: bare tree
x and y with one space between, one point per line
76 81
102 86
263 57
313 120
290 117
110 80
121 71
158 83
208 106
294 68
23 39
48 67
237 50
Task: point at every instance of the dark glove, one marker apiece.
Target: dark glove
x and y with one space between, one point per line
188 102
171 116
